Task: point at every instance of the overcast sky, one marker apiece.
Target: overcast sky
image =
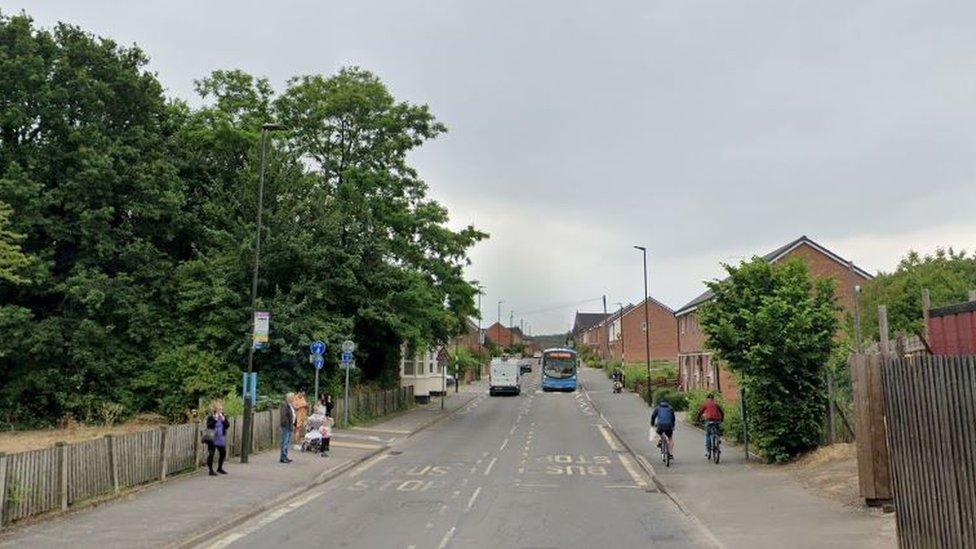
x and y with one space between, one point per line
708 131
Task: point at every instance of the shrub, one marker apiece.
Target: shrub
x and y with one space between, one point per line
677 399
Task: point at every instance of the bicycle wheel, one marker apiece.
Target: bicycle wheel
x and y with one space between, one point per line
717 452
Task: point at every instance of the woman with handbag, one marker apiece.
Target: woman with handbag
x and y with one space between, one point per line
215 437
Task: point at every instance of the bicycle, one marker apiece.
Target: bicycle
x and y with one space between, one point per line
713 441
665 445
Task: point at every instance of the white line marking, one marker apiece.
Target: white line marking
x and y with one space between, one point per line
447 538
359 470
429 525
442 510
265 520
474 496
490 465
614 445
504 444
631 467
342 444
394 431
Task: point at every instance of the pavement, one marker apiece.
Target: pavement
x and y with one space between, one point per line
741 503
189 506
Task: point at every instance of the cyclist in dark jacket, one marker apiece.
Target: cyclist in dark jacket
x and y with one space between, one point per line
664 419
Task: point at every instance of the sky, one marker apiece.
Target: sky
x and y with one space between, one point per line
707 131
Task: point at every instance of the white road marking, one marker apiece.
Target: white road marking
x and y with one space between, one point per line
267 519
474 496
429 525
504 444
490 465
393 431
342 444
359 470
447 538
442 510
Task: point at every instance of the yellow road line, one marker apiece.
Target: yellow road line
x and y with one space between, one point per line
359 470
631 468
393 431
611 441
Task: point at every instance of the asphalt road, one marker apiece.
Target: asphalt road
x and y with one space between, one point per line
536 470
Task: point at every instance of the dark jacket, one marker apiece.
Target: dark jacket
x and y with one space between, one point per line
287 417
663 415
212 423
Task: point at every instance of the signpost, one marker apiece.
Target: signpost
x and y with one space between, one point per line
347 349
443 360
317 349
262 320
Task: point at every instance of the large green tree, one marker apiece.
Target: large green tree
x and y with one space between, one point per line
774 325
949 275
85 164
136 216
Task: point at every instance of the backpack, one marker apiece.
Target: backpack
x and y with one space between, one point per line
665 416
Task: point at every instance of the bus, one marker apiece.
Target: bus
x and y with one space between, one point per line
559 370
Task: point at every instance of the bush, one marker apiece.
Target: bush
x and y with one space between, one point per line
677 399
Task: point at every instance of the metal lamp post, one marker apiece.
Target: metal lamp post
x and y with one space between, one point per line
248 405
647 326
623 355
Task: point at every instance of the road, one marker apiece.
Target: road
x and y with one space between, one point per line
536 470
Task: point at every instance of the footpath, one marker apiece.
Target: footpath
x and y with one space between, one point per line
191 507
742 503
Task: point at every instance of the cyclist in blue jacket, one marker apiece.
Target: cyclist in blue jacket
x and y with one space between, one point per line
663 419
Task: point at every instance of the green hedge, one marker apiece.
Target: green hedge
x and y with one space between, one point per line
677 399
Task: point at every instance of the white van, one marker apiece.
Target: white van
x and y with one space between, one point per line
504 377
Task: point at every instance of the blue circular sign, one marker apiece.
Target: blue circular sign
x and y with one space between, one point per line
317 348
318 362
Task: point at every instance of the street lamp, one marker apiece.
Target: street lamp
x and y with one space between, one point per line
647 326
499 321
248 405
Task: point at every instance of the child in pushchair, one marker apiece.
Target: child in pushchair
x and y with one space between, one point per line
318 432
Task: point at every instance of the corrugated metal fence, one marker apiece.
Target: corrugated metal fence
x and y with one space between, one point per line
930 411
52 479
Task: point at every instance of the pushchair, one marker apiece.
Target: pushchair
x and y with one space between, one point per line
318 432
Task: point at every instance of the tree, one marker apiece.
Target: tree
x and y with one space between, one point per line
947 274
13 262
774 326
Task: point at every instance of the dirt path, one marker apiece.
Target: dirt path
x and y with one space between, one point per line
21 441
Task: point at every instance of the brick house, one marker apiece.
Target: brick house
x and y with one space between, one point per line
585 330
627 333
697 369
471 338
504 336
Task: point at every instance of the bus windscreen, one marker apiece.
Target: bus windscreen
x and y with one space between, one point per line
560 365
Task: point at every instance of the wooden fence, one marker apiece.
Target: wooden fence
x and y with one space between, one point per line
930 405
53 479
873 469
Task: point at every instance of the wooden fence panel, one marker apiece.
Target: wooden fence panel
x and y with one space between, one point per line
874 476
929 402
32 483
180 447
88 470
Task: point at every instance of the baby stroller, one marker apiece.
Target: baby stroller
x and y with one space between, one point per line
318 432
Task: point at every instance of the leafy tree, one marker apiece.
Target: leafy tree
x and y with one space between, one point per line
774 326
13 262
947 274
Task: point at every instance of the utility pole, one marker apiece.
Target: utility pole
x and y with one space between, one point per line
248 398
623 356
499 321
856 292
647 326
606 331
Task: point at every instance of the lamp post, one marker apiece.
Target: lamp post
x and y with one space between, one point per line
248 405
499 321
647 326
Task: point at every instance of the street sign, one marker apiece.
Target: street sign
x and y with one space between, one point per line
317 348
318 362
348 346
346 357
262 320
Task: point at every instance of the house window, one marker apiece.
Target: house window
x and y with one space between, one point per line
644 326
409 362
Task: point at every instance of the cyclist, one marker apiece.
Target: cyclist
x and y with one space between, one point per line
712 414
617 377
663 418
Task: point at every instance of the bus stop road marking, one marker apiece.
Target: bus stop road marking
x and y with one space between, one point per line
608 436
631 468
343 444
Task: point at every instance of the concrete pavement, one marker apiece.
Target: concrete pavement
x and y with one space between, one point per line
744 504
169 513
537 470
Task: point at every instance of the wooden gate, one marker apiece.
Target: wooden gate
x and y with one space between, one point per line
930 405
873 475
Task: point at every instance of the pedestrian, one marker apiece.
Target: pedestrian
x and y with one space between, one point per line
215 437
325 430
329 404
301 410
287 426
